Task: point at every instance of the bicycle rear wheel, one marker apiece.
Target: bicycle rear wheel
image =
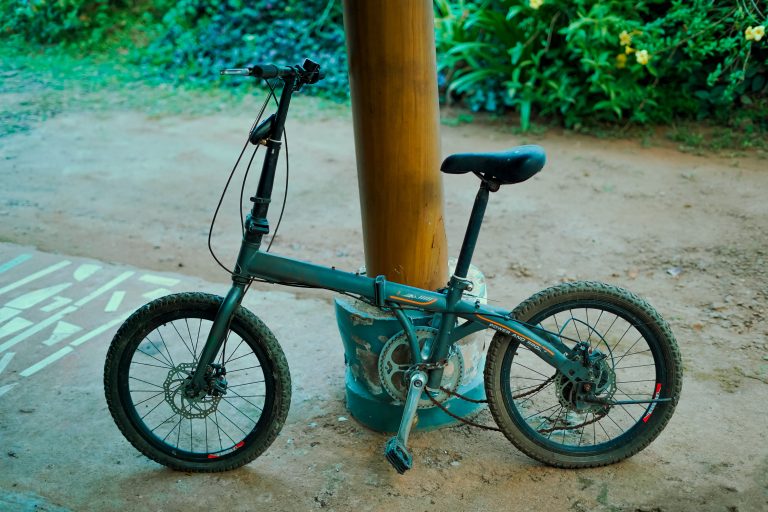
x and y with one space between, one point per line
247 393
536 406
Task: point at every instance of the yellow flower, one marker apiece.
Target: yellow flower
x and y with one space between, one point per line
749 34
535 4
642 57
629 50
621 61
758 32
625 38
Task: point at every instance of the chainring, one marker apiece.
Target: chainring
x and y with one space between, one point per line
395 360
173 387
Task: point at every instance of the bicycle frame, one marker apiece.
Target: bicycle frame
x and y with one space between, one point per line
448 304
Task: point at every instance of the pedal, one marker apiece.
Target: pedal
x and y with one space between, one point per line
398 455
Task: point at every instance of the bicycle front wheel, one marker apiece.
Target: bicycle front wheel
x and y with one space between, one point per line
537 407
153 356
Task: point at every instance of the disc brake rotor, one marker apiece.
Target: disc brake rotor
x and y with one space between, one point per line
395 360
602 378
173 387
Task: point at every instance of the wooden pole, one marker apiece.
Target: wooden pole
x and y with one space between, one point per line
393 82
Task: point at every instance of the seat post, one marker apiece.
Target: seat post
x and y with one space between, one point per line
473 230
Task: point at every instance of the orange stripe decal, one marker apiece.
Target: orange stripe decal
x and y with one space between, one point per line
517 334
403 299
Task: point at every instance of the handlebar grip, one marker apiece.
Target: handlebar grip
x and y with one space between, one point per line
265 71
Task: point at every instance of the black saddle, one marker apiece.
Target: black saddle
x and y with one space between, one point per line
504 167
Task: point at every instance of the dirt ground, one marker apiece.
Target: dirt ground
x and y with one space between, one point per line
686 232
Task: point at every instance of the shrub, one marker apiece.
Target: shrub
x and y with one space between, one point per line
201 37
584 61
72 22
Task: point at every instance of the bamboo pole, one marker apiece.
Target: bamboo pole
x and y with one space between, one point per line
393 83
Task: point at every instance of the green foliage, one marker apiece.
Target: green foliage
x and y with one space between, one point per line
548 59
202 37
566 59
81 23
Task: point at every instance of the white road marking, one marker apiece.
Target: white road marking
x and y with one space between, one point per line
105 288
7 388
36 328
6 313
159 280
45 362
56 304
15 324
5 360
21 258
36 275
156 293
95 332
85 271
62 331
32 298
114 301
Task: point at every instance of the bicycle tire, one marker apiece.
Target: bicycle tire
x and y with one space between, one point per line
146 352
511 405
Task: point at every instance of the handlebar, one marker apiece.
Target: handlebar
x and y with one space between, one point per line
309 72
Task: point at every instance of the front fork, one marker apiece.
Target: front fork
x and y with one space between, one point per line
216 336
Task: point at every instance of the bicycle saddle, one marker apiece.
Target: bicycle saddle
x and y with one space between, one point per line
503 167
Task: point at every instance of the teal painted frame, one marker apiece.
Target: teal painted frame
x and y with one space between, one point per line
448 304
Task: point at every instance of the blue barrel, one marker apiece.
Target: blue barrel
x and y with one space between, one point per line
374 344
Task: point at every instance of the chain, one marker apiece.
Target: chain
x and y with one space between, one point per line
520 395
536 389
574 427
454 416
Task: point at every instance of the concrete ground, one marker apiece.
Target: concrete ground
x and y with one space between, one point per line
61 450
687 232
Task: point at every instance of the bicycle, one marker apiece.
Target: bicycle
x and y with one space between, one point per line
579 375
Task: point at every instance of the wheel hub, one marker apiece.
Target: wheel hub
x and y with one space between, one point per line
200 405
580 396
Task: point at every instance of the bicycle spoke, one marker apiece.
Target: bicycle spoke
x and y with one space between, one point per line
170 363
245 384
234 352
635 366
166 346
233 423
147 364
145 382
543 410
238 409
148 399
153 357
218 430
531 369
575 325
242 369
248 401
181 338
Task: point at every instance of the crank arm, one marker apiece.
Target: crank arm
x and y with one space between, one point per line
396 449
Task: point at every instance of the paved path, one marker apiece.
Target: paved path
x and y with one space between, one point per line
58 444
54 309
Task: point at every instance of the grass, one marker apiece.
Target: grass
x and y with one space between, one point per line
701 138
38 83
